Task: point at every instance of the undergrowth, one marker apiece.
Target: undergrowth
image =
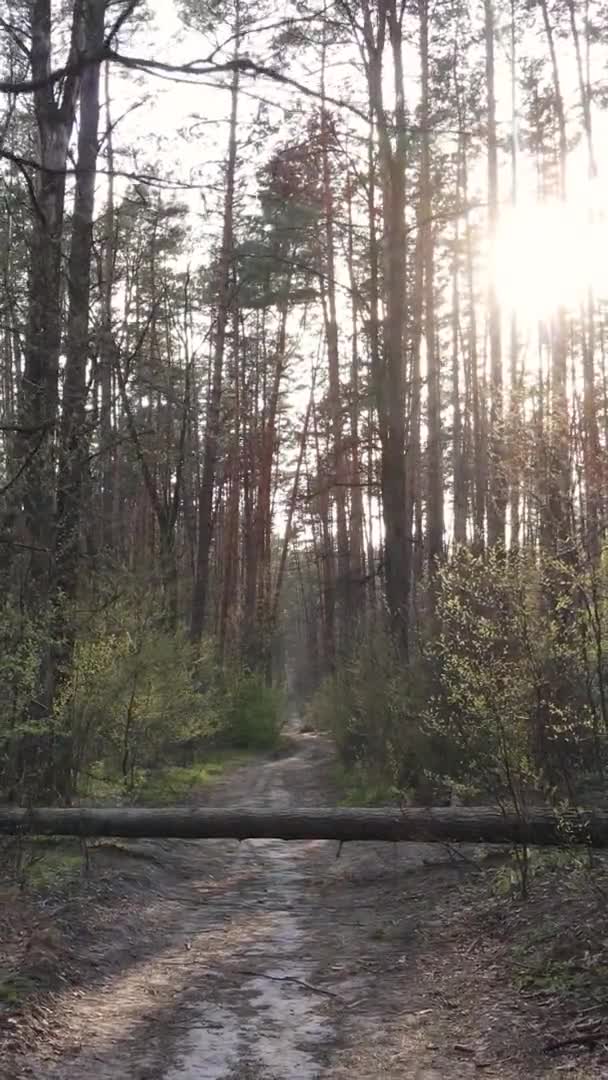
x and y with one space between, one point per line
134 699
556 944
358 787
162 785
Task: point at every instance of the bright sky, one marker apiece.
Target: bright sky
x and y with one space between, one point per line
546 255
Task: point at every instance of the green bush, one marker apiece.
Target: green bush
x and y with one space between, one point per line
373 707
130 700
508 701
510 698
251 711
137 701
24 647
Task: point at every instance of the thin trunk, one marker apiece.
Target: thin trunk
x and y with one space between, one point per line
591 445
458 477
213 421
290 511
39 393
516 403
106 360
477 397
357 557
389 381
326 556
434 502
231 545
74 441
497 489
557 526
333 360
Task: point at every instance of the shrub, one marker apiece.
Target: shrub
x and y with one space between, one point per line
130 699
251 711
373 706
509 700
23 643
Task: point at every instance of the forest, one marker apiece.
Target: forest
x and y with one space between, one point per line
303 394
303 504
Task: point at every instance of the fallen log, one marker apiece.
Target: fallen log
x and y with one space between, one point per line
479 824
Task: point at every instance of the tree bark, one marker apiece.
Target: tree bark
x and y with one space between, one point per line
335 395
213 424
290 511
479 824
497 493
39 394
556 525
389 378
435 517
107 348
74 445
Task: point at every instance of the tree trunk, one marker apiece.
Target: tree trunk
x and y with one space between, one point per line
291 510
213 422
333 362
479 447
74 443
106 351
516 390
231 544
479 824
556 527
458 476
435 522
39 395
389 380
497 491
357 556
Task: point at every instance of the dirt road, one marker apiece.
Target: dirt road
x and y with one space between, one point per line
273 961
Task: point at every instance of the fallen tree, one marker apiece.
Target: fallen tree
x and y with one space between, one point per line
479 824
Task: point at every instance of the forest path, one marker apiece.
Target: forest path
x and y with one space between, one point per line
279 961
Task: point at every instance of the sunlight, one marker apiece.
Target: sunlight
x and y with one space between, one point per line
547 256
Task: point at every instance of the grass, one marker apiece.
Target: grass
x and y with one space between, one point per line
41 863
360 787
50 867
14 989
49 863
556 942
177 783
164 785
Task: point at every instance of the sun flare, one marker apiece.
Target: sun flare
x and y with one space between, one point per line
549 255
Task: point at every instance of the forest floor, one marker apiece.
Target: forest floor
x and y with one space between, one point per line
288 961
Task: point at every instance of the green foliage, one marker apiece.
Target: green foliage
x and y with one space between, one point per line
510 698
372 706
359 787
252 711
139 711
539 864
507 702
22 643
130 698
174 784
42 863
14 988
566 952
52 867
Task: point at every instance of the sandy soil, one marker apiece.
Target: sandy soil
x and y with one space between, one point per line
285 961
